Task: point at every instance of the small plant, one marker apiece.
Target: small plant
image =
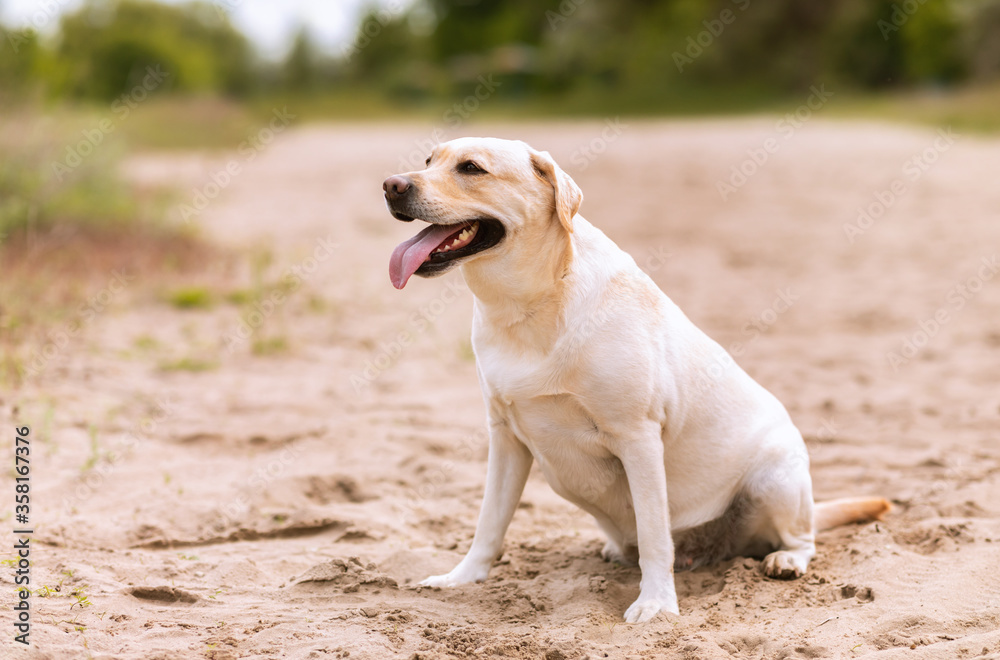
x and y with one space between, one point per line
191 298
317 304
270 346
188 364
45 433
239 297
95 455
81 598
145 343
46 591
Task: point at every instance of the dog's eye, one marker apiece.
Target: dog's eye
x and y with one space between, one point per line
468 167
428 161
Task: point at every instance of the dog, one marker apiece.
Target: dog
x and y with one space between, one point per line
589 369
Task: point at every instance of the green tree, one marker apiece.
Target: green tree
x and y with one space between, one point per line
106 48
385 51
982 35
300 70
19 59
931 42
479 26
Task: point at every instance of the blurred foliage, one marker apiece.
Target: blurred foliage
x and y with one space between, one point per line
51 174
300 71
68 223
203 122
649 49
635 55
106 49
969 109
18 60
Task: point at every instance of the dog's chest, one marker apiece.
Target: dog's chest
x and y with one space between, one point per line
535 398
572 454
520 379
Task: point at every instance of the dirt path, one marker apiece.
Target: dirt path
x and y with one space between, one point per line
263 477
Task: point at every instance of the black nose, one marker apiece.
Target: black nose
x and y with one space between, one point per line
396 186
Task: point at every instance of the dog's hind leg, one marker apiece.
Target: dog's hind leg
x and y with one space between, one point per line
782 490
616 549
771 517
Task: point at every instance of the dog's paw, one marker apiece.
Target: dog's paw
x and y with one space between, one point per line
440 581
611 552
783 565
455 578
645 609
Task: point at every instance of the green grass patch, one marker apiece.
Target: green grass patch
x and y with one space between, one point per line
317 304
213 123
239 297
190 364
96 455
62 171
192 297
970 108
146 343
198 122
270 346
76 238
967 109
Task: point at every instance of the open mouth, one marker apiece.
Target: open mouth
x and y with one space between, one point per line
437 246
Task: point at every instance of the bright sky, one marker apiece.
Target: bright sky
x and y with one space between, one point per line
270 24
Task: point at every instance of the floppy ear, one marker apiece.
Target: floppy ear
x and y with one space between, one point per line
568 196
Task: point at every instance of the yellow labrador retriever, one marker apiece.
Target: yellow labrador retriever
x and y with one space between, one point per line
589 369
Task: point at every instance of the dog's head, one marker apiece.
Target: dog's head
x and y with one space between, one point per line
484 199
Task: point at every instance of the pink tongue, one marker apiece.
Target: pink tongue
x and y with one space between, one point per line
409 255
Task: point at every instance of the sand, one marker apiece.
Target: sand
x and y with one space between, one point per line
201 494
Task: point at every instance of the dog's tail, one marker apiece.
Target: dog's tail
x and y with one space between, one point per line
827 515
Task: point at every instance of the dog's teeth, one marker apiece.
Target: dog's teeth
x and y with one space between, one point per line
465 235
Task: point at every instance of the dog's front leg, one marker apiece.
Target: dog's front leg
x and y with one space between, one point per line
642 458
506 472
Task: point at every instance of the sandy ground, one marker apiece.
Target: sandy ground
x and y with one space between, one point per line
199 498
